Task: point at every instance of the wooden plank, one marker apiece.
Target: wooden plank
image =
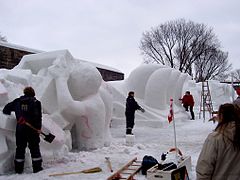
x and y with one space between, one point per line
117 175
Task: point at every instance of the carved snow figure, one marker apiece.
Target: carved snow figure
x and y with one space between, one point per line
76 104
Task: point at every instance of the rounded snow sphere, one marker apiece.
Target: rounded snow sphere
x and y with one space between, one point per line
84 80
138 78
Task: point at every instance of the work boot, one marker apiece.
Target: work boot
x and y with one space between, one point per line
19 166
37 166
129 131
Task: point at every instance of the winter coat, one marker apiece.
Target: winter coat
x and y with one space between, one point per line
188 100
218 160
28 108
131 105
237 101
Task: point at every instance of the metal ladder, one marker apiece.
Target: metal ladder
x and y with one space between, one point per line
206 100
127 171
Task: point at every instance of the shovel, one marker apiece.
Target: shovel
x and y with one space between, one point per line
47 137
87 171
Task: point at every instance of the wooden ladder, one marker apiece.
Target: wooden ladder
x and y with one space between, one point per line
127 171
206 100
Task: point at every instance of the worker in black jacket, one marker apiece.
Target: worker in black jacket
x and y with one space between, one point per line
27 109
131 107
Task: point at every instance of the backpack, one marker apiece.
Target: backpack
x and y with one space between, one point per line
147 163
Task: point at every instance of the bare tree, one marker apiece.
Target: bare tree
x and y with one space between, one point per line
179 44
236 75
213 65
3 38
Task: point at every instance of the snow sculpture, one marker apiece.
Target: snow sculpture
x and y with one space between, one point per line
154 85
76 103
156 92
139 78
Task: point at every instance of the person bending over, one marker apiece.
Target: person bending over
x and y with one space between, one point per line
188 101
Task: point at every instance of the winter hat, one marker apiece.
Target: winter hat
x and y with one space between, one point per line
238 91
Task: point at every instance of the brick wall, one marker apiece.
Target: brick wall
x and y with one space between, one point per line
10 57
110 75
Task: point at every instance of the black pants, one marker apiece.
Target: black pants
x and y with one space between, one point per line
129 122
191 110
27 137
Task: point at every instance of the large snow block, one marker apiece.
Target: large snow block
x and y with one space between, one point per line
4 147
40 61
20 76
47 96
7 123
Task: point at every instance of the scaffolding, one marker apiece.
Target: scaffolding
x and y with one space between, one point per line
206 101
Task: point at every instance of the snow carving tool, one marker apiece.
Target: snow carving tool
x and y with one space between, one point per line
109 163
87 171
47 137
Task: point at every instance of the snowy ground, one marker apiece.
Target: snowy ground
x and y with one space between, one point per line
148 141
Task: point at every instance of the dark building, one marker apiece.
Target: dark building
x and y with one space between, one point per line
11 55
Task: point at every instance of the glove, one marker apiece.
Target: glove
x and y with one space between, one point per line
142 110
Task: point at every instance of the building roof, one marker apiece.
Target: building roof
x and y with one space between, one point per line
101 66
22 48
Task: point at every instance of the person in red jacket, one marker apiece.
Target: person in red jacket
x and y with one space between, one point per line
188 101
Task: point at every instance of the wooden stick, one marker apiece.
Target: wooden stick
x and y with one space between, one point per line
109 163
91 170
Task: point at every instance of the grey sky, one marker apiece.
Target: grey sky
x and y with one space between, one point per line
109 31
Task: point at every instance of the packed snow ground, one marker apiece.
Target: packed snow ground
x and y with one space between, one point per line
148 141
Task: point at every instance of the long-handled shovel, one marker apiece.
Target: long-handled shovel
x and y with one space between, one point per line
87 171
47 137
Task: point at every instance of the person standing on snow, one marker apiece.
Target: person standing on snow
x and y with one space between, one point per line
131 107
188 101
27 109
220 154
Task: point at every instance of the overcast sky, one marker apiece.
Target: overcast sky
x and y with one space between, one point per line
109 31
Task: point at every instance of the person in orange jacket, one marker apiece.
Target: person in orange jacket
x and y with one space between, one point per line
188 101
